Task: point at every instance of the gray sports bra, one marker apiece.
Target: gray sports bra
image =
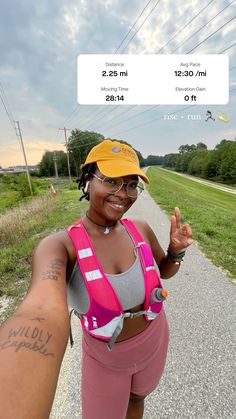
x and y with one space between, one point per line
128 286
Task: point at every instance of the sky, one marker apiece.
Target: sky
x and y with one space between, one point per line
39 46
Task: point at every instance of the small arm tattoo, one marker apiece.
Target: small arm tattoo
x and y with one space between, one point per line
39 319
53 271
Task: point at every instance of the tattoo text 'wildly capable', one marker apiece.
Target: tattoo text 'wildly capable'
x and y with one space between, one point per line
37 339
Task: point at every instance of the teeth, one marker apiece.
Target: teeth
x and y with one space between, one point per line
117 205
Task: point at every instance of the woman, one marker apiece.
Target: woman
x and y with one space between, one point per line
110 275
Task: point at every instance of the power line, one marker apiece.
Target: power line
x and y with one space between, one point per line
188 53
67 150
225 24
151 11
153 107
197 44
102 110
24 154
201 29
187 24
169 40
221 11
134 116
75 109
147 110
18 134
133 26
118 116
87 120
127 36
156 119
141 25
8 112
84 145
226 49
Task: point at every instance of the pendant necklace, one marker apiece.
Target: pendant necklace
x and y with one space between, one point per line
106 228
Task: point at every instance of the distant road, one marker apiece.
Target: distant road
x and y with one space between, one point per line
204 182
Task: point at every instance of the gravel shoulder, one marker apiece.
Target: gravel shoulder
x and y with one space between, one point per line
199 378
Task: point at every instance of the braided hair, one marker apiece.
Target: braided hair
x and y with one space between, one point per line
84 177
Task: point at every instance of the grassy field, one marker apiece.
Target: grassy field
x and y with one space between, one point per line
210 212
22 227
12 188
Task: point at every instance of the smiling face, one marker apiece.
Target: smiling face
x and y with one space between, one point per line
106 207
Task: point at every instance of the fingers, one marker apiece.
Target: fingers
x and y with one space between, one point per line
180 234
177 216
175 221
173 227
187 232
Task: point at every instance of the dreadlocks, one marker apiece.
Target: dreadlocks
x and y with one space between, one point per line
86 174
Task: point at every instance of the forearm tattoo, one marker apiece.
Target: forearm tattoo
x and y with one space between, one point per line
27 337
54 270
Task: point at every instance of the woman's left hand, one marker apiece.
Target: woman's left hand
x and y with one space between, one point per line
180 234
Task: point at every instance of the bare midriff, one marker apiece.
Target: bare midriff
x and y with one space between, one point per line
133 327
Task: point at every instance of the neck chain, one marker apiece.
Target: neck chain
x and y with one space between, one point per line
106 228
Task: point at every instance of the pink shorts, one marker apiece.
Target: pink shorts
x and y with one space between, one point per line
134 365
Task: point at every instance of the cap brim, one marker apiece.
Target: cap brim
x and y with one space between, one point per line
117 168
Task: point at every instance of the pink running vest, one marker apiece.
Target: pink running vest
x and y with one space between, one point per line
105 316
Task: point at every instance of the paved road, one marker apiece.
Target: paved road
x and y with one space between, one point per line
204 182
199 379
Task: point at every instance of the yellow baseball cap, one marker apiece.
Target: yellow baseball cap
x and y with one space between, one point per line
115 159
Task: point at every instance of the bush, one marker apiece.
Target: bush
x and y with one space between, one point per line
23 185
19 183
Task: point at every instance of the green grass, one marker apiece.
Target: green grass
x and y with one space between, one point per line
10 192
210 212
8 199
28 225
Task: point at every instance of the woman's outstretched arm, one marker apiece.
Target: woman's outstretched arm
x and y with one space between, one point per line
33 340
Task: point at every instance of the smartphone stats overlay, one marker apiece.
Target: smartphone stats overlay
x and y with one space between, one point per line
153 79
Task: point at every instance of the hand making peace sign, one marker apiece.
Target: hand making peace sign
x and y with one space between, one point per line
180 234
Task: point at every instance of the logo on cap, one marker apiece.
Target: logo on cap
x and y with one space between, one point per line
115 150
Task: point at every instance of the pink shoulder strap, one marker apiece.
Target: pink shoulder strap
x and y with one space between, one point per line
151 276
131 227
95 280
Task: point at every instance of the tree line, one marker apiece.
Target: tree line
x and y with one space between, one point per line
218 164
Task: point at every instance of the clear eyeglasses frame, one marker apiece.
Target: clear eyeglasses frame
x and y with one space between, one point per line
115 184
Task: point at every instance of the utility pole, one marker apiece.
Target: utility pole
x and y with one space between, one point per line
23 149
67 151
55 164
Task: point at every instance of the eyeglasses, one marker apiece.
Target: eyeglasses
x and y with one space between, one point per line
115 184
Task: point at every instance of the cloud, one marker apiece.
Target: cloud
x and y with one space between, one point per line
40 41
